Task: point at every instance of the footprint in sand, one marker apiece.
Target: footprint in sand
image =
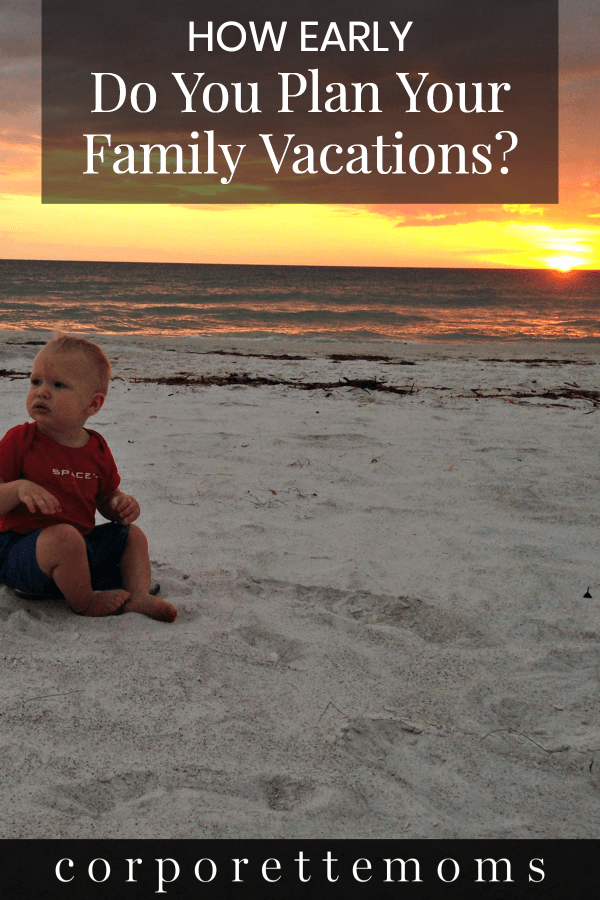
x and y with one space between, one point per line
276 647
432 623
98 798
284 793
101 798
173 582
39 626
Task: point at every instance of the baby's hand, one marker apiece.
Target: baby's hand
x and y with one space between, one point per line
126 507
37 498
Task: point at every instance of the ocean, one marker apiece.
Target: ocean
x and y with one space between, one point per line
403 304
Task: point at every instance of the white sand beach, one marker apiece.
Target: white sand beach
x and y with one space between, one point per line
382 630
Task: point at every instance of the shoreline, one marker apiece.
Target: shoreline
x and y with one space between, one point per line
344 339
316 346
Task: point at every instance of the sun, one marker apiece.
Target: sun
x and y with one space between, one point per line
563 263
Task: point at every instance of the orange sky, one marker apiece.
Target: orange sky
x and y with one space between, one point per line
562 235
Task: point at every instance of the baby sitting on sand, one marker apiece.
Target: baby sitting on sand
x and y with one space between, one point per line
54 475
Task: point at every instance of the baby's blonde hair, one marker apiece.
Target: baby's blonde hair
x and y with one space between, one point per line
67 343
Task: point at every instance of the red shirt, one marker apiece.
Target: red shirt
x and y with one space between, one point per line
77 476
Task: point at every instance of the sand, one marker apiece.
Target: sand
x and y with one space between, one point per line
382 630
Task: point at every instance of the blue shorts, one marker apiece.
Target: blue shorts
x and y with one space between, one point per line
19 568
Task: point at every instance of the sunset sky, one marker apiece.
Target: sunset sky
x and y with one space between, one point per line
561 236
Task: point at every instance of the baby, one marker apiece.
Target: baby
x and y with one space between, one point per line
54 475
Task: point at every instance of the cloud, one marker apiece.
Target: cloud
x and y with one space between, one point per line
20 57
19 30
407 216
579 37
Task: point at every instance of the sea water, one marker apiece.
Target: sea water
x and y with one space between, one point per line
404 304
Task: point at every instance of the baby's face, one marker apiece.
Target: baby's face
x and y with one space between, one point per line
62 393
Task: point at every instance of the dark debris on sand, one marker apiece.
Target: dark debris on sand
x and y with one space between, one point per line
335 357
367 384
349 357
255 355
566 393
12 374
542 361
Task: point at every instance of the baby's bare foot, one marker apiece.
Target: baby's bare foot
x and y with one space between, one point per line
155 607
106 603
